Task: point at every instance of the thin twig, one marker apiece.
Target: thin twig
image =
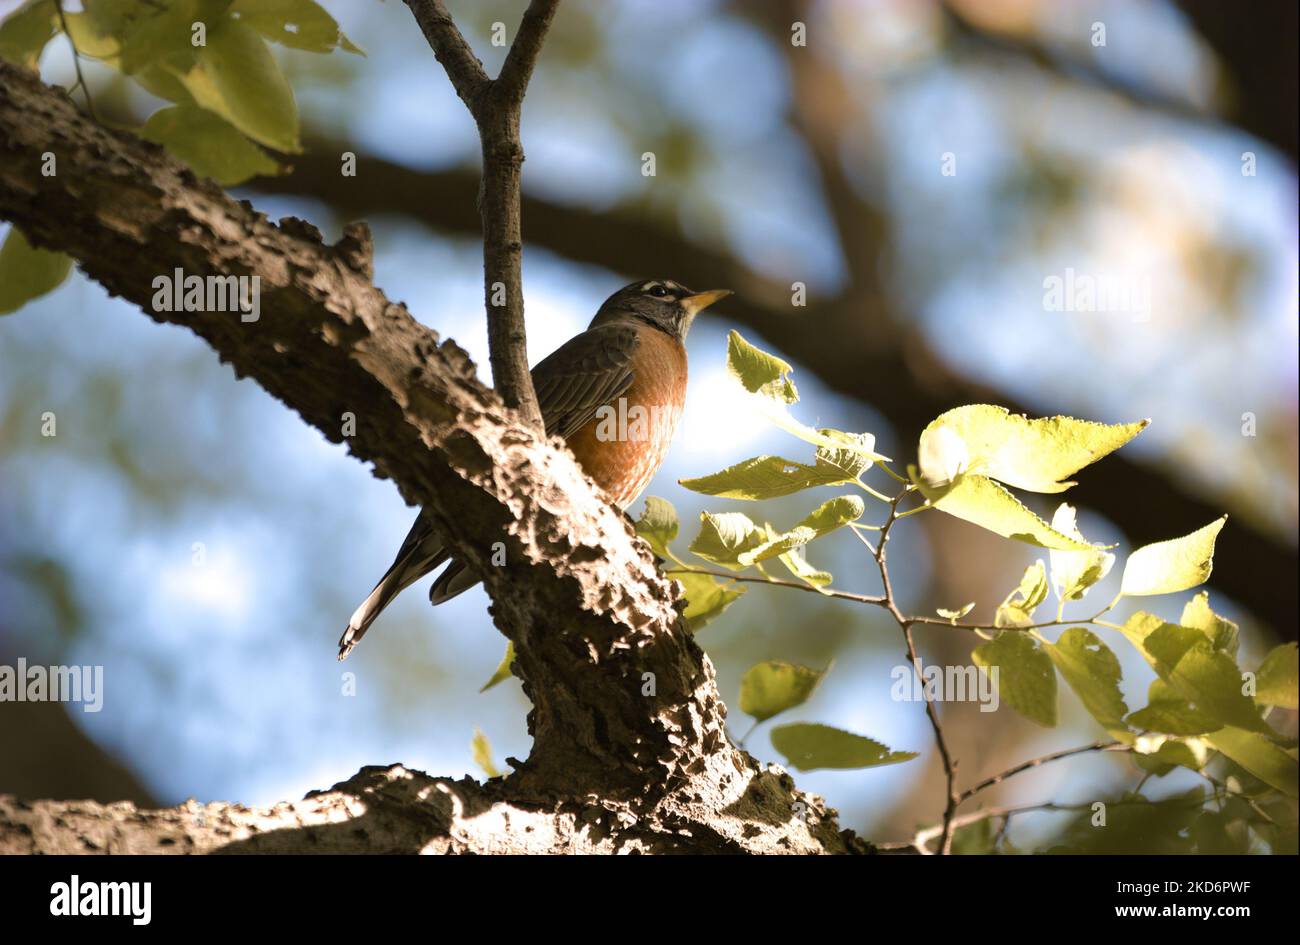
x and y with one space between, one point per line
496 106
1037 762
777 582
76 61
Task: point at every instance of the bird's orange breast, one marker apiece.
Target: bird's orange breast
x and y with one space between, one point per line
625 444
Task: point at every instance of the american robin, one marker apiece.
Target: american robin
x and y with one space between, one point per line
614 393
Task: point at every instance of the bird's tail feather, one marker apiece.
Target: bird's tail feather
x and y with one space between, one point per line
405 571
457 579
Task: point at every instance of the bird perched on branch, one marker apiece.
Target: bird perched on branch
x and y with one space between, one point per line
614 393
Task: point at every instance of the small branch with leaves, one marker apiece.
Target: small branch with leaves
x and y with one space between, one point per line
966 460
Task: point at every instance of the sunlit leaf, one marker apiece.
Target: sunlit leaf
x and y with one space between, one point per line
1275 681
955 614
1018 609
1160 754
1221 632
208 143
1167 567
1025 678
983 502
827 517
771 687
27 273
1259 755
1169 713
502 672
658 525
767 477
1093 672
808 747
759 372
798 565
1073 572
1036 455
725 536
706 598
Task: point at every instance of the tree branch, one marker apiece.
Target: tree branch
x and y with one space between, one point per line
495 106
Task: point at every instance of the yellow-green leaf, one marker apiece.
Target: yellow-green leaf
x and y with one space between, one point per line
1171 714
27 273
1160 754
1220 631
208 143
236 76
658 525
798 565
482 751
827 517
1036 455
759 372
1167 567
1073 572
725 536
25 31
706 598
1018 609
769 688
502 672
955 615
1093 672
1024 675
300 24
808 747
983 502
767 477
1275 681
1259 755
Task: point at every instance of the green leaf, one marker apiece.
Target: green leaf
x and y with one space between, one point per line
983 502
1259 755
955 615
853 457
300 24
1018 609
27 273
236 76
482 751
1171 714
658 525
827 517
767 477
808 747
769 688
1073 572
1160 754
759 372
1031 454
1093 672
24 33
1221 632
725 536
161 35
1025 677
1275 682
91 39
706 598
1167 567
502 672
208 143
798 565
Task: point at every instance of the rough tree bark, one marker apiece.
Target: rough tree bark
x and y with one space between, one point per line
611 768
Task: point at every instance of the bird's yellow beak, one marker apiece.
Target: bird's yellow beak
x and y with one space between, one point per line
694 304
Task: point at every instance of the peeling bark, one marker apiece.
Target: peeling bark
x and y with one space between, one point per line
592 620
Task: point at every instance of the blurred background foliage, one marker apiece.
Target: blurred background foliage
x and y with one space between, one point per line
775 164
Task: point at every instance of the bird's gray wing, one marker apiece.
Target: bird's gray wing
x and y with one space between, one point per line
584 374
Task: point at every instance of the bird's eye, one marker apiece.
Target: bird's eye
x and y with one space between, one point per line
658 291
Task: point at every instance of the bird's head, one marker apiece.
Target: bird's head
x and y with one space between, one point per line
662 303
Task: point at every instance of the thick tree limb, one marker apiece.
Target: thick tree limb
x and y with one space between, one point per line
592 620
496 106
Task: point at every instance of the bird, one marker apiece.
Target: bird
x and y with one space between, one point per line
614 393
